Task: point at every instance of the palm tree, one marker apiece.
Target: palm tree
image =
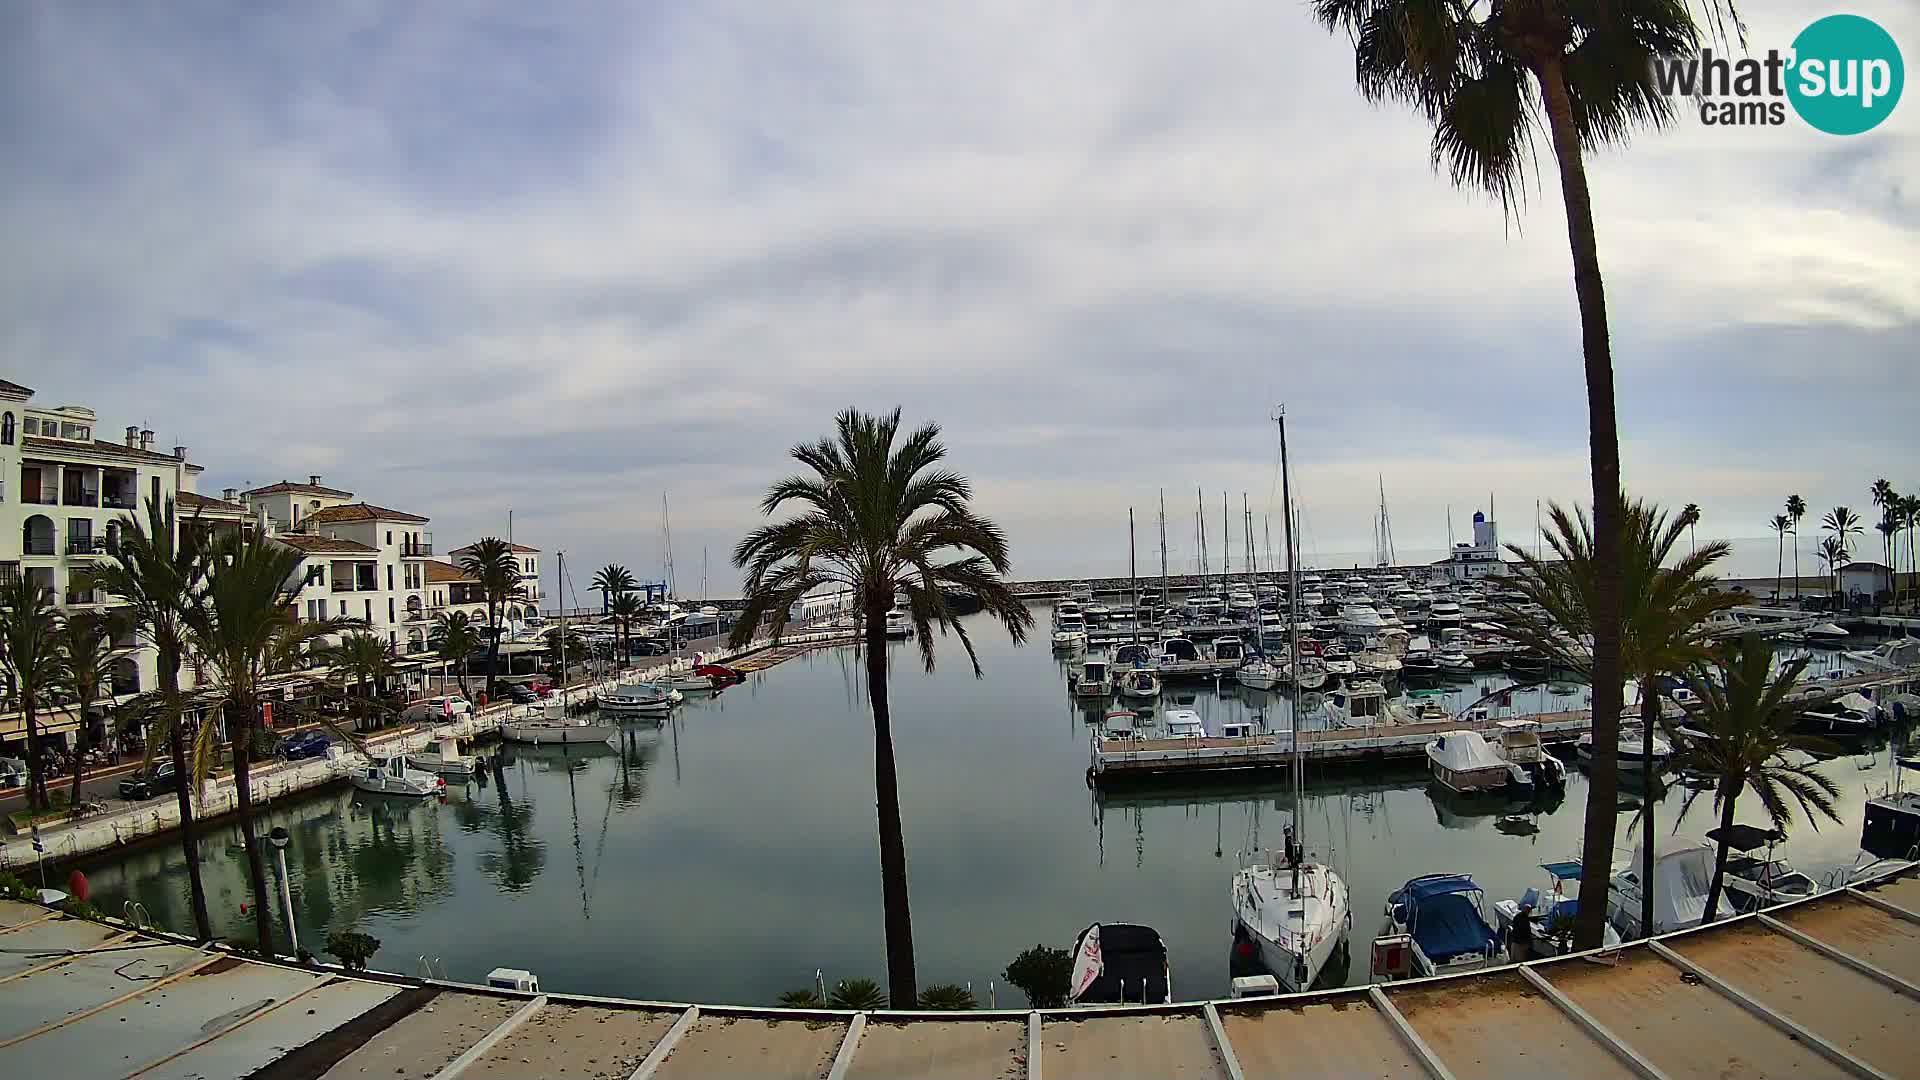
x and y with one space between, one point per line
1888 500
29 653
1796 509
1690 519
459 637
85 657
1842 525
1746 718
1664 625
626 609
1910 516
612 580
360 659
156 571
1780 524
492 564
881 520
1834 554
1485 77
1889 528
245 630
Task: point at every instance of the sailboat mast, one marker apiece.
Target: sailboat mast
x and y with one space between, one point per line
1163 548
1200 529
1226 544
666 525
1133 577
562 568
1253 564
1293 633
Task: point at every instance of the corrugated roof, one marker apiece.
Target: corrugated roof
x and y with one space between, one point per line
325 545
360 511
289 487
105 449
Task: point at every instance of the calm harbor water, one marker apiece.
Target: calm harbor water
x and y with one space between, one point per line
729 854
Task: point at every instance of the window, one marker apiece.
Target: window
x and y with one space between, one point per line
390 617
389 537
33 426
156 490
367 606
6 430
323 609
389 574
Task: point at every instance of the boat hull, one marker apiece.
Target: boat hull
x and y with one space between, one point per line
541 734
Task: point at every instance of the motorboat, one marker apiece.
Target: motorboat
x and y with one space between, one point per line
1553 911
1681 875
1521 746
1420 666
1257 674
1755 879
688 682
391 776
1241 603
1080 592
1360 620
1141 683
1849 714
1424 708
1631 750
1069 631
1307 673
1179 650
1294 912
443 757
1183 724
1463 761
1119 964
639 699
1528 665
556 730
1826 634
898 627
1359 704
1132 655
1229 648
1097 613
1455 664
1093 681
1120 725
1899 655
1443 918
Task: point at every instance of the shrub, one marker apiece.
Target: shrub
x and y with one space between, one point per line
801 999
1043 975
352 948
12 888
857 994
947 997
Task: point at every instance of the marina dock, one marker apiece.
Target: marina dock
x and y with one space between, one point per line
1827 986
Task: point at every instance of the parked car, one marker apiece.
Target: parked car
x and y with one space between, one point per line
425 710
650 647
521 695
305 744
147 783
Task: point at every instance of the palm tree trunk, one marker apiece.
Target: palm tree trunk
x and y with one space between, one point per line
79 749
1796 563
901 983
1779 566
1608 543
1649 717
240 724
36 767
1730 789
493 654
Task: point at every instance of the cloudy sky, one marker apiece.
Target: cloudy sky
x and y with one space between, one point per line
567 258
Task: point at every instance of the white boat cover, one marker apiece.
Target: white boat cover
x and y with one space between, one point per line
1680 881
1464 751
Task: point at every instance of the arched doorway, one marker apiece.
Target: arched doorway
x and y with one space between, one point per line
36 535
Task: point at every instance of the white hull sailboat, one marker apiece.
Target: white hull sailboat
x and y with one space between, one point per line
556 731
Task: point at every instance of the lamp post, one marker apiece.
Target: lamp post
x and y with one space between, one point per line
280 837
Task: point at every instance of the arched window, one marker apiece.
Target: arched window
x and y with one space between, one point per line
6 430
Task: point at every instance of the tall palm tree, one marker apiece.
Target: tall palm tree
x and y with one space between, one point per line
1889 528
492 564
30 655
85 658
1486 77
1834 554
1780 525
458 640
1664 625
611 581
1888 500
1746 718
568 643
880 518
360 659
157 571
244 630
1910 515
1842 525
1690 518
1796 509
626 609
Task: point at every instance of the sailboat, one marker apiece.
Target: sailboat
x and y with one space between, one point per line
1295 912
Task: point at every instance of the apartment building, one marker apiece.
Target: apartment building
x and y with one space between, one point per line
361 561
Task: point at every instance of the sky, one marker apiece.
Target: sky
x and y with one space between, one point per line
569 259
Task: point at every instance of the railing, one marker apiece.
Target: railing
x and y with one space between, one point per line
120 502
45 498
42 546
87 596
416 548
80 497
87 545
342 586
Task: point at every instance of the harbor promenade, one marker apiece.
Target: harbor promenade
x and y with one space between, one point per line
1824 987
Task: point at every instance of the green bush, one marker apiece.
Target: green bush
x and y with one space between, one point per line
802 999
1043 974
80 909
12 888
947 997
352 948
857 994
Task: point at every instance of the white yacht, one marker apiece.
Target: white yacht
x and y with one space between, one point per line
1183 724
1755 879
1682 875
444 757
1360 703
1464 762
1849 714
391 776
1069 631
1631 751
1133 654
1093 681
1295 912
1897 655
1140 683
1307 673
899 627
1229 648
1257 673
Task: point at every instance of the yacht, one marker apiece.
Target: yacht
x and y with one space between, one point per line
1183 724
1553 912
391 776
1520 745
1893 656
1464 762
1133 654
1295 913
1420 666
1755 879
1257 674
1119 964
1826 634
1178 650
1361 703
1443 918
1094 680
1241 603
444 757
1229 648
555 731
1631 751
1360 620
1849 714
1455 665
1069 632
1307 673
1142 683
899 627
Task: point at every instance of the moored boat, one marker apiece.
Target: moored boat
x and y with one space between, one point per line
1120 963
1140 683
444 758
1465 762
1441 917
554 731
391 776
1093 681
639 699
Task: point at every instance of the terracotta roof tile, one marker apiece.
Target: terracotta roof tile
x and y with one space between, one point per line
360 511
288 487
439 573
324 545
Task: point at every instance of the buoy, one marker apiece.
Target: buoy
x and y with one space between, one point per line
77 886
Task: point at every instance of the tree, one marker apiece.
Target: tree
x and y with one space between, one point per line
568 643
29 652
1888 528
1690 520
880 519
626 609
84 665
1834 554
862 994
1843 525
1044 974
243 631
360 659
1796 509
1548 608
1485 77
1910 516
1888 500
1746 718
611 581
1780 526
157 571
491 564
948 997
458 640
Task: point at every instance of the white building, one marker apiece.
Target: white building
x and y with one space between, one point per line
361 561
527 607
1480 559
62 493
1862 581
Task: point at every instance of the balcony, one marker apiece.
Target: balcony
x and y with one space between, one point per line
417 549
40 498
39 545
342 586
114 500
88 545
9 573
81 597
75 496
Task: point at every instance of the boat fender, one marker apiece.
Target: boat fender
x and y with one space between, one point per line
1089 778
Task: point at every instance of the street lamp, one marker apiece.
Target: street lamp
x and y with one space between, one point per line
280 837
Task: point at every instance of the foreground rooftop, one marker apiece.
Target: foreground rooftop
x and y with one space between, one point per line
1825 987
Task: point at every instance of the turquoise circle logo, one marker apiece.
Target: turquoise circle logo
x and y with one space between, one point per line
1846 76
